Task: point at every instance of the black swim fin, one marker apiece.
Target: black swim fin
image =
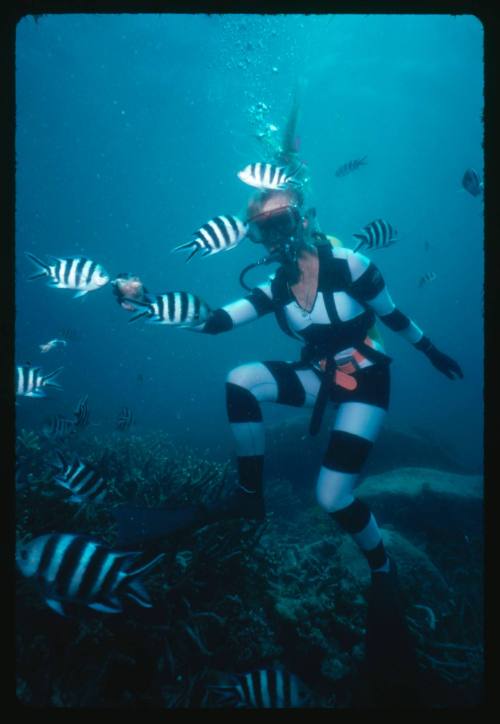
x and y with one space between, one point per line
138 525
391 661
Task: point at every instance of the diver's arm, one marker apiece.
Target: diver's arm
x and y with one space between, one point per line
369 287
245 310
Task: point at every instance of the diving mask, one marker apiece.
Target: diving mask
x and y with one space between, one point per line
276 228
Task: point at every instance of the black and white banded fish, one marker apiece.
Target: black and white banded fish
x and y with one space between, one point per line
124 419
53 344
270 176
76 272
31 382
182 309
427 277
350 166
376 235
75 569
58 427
218 234
82 480
262 689
81 412
472 182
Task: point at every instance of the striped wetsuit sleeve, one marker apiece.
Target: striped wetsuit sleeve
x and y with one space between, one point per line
245 310
369 287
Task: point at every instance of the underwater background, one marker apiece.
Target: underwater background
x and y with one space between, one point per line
130 130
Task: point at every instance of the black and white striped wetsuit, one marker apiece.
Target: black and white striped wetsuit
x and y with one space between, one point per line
351 291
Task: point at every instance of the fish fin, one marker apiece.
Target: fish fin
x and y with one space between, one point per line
113 606
61 463
146 567
138 593
361 243
42 264
38 275
225 695
53 374
195 250
138 316
60 481
55 606
187 245
75 499
53 385
137 525
81 293
35 393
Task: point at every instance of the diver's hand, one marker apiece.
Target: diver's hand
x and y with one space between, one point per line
441 361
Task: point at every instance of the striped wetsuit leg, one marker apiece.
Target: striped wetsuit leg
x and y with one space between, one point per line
247 387
352 435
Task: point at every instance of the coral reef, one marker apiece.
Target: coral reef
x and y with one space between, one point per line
237 596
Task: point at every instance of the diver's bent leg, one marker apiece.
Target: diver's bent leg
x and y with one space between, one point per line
356 427
246 387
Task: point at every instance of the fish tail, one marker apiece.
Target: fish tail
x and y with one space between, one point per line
41 264
196 248
187 245
360 243
50 376
60 462
146 567
138 316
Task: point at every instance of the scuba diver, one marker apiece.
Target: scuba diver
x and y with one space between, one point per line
328 297
128 288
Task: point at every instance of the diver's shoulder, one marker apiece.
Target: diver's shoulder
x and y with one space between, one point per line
357 263
339 251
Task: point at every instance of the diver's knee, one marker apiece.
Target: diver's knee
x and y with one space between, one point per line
331 497
239 376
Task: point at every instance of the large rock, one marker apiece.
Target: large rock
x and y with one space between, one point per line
416 481
436 504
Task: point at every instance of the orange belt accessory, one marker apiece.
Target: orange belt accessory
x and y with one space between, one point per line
344 372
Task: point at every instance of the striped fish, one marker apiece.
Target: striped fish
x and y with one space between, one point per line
81 479
350 166
182 309
263 689
81 413
427 277
31 382
270 176
376 235
58 427
76 272
218 234
76 569
125 419
53 344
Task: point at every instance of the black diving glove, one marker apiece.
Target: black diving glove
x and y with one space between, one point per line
441 361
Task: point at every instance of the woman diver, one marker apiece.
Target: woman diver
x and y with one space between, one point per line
328 297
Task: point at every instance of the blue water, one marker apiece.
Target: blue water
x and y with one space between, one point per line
130 130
